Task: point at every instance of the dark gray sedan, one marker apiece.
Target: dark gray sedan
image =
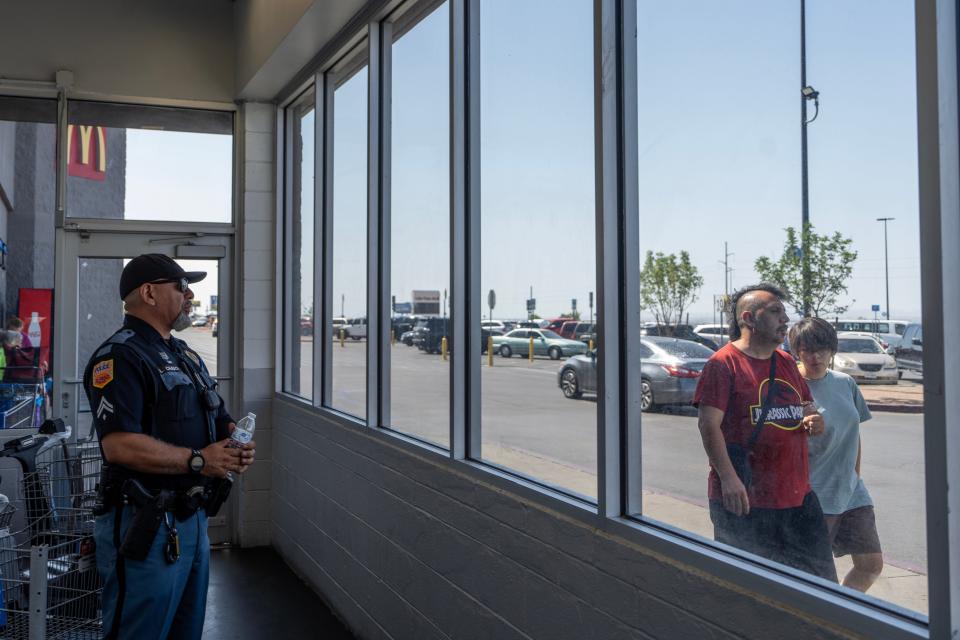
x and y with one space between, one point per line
670 368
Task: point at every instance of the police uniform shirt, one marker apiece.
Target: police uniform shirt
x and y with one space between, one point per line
140 383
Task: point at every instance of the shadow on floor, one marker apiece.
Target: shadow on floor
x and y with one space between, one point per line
253 594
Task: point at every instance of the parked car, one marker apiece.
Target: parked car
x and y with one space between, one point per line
432 333
493 324
555 324
682 331
585 332
718 333
199 321
357 328
890 331
306 326
669 369
545 343
862 358
567 329
402 324
909 353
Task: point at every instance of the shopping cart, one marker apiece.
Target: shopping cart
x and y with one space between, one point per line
22 395
48 575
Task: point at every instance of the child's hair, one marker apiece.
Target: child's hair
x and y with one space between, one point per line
812 334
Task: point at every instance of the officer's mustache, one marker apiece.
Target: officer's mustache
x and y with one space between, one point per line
182 322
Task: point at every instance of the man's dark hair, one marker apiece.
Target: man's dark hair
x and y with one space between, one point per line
740 293
812 334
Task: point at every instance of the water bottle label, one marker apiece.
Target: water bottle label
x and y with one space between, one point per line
242 436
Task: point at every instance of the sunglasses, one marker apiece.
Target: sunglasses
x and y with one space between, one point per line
182 283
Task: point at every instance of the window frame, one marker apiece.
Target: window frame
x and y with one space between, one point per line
619 507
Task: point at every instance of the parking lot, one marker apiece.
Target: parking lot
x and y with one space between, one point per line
528 426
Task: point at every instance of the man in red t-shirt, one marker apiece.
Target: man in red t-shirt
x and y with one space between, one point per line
777 516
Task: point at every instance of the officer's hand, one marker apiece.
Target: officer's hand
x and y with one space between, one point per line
219 459
247 453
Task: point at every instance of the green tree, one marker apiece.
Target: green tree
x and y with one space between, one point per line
830 261
668 285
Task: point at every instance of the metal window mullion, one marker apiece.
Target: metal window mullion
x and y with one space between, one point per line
938 147
382 337
325 121
617 259
321 325
374 151
464 229
630 246
62 150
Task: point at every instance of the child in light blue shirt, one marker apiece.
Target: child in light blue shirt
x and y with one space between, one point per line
835 455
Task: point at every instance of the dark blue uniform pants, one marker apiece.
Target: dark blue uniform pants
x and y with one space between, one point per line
155 599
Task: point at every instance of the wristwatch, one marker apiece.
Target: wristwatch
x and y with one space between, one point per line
196 461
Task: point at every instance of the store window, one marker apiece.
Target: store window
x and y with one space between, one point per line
348 369
721 204
420 230
538 256
149 163
300 326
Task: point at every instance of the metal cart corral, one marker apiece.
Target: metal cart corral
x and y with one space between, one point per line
48 574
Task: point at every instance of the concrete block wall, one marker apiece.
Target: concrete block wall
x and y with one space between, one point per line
405 545
256 324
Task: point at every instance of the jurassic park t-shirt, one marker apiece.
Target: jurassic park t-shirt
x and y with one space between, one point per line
736 384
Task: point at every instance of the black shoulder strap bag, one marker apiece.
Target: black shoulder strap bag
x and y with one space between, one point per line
740 454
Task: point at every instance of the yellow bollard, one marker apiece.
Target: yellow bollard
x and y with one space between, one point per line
443 348
342 337
591 344
531 348
489 351
393 338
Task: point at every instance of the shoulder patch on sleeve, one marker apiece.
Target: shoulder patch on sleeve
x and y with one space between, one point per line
102 373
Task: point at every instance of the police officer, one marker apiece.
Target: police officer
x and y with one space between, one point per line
164 434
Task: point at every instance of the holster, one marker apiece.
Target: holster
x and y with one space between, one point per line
148 514
219 491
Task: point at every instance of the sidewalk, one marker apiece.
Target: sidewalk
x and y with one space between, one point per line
905 397
897 585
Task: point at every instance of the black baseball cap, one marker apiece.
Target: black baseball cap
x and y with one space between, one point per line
151 267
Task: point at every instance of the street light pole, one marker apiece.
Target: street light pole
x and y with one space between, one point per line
886 260
804 190
806 93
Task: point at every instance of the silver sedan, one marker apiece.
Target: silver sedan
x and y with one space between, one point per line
670 368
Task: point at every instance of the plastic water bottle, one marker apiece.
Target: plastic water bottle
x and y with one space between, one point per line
243 433
33 331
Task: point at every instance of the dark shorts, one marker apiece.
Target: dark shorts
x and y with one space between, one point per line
854 532
795 537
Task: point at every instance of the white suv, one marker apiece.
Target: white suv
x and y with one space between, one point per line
357 328
715 332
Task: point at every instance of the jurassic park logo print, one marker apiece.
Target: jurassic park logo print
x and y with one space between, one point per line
786 406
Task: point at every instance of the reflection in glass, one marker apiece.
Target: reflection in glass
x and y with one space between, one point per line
349 294
537 238
420 222
720 179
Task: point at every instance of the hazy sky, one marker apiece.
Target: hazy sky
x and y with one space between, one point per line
719 149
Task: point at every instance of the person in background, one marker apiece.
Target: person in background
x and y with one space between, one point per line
16 324
835 456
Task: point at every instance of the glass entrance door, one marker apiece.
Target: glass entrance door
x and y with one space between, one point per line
88 310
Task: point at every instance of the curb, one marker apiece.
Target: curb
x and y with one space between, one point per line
895 408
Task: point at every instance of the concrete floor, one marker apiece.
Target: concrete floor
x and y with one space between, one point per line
253 594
